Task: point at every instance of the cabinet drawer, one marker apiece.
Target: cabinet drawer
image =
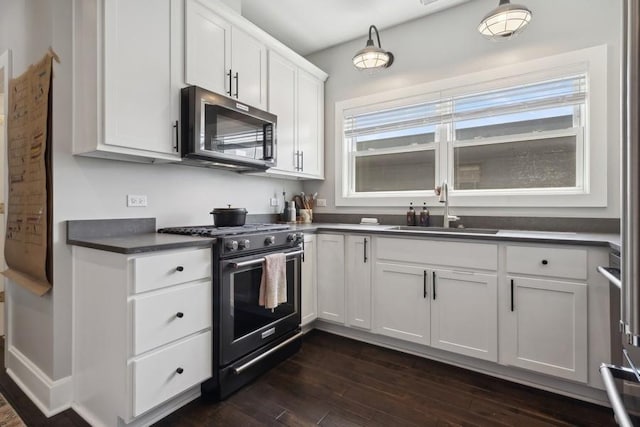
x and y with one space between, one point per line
439 252
545 261
170 314
155 377
159 271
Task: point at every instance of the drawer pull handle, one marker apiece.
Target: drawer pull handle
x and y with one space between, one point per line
179 268
179 315
545 262
179 371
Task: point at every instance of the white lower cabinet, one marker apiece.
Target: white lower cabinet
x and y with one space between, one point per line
401 303
309 289
358 270
542 308
546 327
153 312
331 290
162 374
464 313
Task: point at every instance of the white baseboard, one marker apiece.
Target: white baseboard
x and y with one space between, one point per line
51 397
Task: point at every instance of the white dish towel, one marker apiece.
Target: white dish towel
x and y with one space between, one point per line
273 285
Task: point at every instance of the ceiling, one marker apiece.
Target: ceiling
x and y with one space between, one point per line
308 26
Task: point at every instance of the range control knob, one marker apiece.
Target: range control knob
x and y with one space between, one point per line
291 237
244 244
270 240
232 245
300 237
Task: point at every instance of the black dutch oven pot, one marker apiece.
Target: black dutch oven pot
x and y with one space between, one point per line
229 217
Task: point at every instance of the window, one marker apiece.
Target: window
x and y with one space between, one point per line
511 140
525 137
388 147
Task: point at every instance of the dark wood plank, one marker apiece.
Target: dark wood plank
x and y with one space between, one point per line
335 381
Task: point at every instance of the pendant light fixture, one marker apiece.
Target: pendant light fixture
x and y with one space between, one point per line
505 21
372 57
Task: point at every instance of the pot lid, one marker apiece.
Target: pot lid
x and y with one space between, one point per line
229 209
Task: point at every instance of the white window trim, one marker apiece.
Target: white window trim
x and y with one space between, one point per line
592 61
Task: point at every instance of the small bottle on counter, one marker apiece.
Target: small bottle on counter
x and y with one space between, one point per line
411 215
291 212
424 216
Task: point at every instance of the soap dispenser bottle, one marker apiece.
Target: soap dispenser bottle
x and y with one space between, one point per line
411 215
424 216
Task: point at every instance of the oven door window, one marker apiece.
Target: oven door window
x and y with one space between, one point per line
233 133
247 315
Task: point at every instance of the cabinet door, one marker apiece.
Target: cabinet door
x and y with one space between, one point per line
546 327
310 124
207 48
140 73
358 268
401 302
282 103
331 277
464 313
249 67
309 309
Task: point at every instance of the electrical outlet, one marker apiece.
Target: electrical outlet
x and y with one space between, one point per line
273 201
136 201
321 203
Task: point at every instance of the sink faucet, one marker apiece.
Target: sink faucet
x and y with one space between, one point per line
443 192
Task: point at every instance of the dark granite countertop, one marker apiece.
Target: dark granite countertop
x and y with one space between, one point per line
137 243
130 236
552 237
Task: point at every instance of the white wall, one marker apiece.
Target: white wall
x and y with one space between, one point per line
86 188
447 44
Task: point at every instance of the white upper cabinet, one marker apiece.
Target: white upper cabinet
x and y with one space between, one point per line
249 69
310 125
282 102
127 81
223 58
207 48
132 58
297 98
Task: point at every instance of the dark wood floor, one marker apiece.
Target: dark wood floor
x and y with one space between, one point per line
334 381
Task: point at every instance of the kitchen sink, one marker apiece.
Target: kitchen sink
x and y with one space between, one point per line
444 230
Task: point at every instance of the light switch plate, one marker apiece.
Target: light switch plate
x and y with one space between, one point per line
321 203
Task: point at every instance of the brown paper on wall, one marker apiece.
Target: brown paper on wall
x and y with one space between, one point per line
28 235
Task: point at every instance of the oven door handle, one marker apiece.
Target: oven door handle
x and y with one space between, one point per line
259 260
252 362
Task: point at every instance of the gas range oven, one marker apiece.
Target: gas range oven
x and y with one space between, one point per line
249 339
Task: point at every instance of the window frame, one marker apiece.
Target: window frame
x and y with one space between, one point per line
591 158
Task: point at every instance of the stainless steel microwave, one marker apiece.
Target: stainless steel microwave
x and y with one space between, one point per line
221 132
